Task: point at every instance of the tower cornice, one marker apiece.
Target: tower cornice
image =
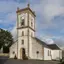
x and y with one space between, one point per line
24 9
25 27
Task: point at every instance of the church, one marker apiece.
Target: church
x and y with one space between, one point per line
27 45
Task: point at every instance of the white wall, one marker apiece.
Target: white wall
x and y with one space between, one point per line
31 19
36 46
25 45
31 33
25 30
60 54
56 54
13 48
46 56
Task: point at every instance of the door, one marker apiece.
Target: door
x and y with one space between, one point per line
22 53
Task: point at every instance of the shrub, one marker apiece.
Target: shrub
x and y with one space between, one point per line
15 57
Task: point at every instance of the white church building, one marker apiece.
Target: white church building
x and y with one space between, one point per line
27 45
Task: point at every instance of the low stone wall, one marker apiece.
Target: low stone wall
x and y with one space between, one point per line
4 54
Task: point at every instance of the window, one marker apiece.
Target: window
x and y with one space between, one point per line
48 52
22 41
37 52
31 24
22 33
22 22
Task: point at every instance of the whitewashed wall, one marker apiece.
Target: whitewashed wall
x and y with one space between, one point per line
13 48
36 46
31 33
46 56
20 45
60 54
25 30
56 54
31 19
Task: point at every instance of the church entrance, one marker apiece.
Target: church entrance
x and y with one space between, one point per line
22 53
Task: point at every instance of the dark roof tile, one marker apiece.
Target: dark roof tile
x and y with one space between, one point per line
53 47
42 42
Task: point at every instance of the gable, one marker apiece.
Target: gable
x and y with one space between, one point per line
40 42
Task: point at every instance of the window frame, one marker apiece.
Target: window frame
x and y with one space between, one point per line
48 53
22 41
22 20
31 24
22 33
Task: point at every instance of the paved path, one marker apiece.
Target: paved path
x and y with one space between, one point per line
6 60
12 61
3 59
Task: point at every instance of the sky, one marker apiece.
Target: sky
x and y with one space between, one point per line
49 18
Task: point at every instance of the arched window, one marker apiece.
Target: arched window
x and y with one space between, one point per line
22 22
22 33
22 41
31 24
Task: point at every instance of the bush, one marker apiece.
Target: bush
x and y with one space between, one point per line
15 57
60 60
62 63
25 57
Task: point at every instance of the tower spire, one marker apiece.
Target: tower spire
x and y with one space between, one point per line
28 5
17 8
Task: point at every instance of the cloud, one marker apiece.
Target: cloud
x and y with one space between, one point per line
11 16
14 32
52 10
60 42
46 11
1 21
49 22
49 41
8 13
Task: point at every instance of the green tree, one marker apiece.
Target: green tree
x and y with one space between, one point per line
6 40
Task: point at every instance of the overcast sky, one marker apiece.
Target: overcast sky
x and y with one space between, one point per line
49 18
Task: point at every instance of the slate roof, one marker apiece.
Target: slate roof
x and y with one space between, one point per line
53 47
42 42
63 53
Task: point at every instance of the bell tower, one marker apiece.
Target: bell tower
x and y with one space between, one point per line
25 30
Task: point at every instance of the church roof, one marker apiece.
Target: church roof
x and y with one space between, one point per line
42 42
53 47
62 53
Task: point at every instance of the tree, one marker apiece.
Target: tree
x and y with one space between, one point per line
6 40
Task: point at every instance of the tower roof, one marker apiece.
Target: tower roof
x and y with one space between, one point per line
27 8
